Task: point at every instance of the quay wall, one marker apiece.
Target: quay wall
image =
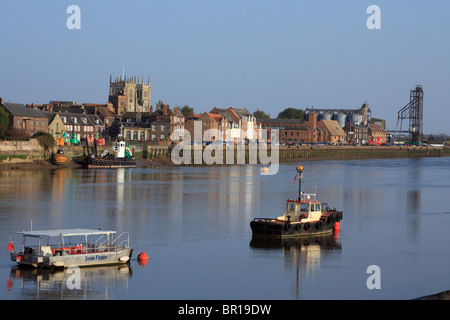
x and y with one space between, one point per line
29 151
20 151
337 152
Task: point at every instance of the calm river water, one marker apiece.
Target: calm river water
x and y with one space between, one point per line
193 223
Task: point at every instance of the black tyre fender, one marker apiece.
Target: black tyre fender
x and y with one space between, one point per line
287 226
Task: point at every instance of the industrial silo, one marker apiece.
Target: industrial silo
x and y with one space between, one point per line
341 118
355 118
327 115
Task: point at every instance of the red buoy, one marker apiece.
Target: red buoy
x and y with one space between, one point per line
142 256
336 227
336 231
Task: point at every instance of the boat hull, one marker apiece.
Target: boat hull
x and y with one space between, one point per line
108 163
59 160
284 229
119 256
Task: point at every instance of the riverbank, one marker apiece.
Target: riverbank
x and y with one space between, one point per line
149 155
301 153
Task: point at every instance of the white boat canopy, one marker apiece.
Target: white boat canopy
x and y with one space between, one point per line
65 232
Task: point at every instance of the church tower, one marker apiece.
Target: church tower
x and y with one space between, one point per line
130 94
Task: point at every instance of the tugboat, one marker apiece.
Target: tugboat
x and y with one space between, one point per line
123 158
71 247
302 217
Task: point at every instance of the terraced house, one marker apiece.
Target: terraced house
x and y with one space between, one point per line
83 125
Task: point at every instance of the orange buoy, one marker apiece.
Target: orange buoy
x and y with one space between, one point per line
142 256
336 227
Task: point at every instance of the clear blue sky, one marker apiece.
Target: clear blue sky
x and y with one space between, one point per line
248 53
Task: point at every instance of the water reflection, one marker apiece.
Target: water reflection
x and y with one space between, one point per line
96 282
300 254
395 216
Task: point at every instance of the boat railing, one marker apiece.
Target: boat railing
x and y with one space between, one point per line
308 196
263 219
124 238
97 244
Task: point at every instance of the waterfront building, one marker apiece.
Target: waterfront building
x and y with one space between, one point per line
136 126
83 125
103 111
334 134
296 130
376 135
238 123
155 127
30 121
209 131
56 126
356 134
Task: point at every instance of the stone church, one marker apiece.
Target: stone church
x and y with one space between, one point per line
129 95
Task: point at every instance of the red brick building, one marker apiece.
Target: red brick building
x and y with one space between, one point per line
376 135
295 130
30 120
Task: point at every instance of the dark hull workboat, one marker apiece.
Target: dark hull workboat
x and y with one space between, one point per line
90 163
121 159
302 217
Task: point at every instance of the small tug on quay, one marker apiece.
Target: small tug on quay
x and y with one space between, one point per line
302 217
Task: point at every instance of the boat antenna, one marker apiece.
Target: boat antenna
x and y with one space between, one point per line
300 176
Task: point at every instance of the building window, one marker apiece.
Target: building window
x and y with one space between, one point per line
153 137
128 135
18 122
135 135
163 137
142 135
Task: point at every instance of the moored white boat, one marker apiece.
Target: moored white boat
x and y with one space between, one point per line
71 247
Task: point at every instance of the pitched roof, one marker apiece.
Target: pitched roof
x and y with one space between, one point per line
68 109
17 109
161 121
333 127
106 112
50 115
376 128
81 119
215 116
279 121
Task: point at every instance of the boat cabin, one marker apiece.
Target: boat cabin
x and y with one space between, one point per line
70 241
305 210
66 247
121 149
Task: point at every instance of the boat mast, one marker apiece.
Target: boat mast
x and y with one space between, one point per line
300 176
